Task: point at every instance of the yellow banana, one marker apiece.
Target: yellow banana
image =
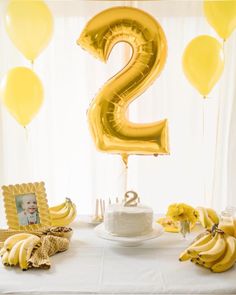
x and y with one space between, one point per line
202 263
195 250
13 258
216 251
197 261
204 219
209 264
67 219
60 206
184 256
26 249
194 260
73 214
62 213
202 216
202 240
227 226
12 240
5 258
213 215
2 251
229 258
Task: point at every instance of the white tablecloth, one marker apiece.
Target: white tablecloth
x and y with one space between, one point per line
96 266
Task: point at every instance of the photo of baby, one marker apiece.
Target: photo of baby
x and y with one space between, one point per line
27 209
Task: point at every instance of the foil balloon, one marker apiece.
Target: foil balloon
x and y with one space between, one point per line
221 15
22 94
203 63
29 24
110 128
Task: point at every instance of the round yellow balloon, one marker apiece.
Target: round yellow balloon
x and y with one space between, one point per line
22 93
221 15
203 63
107 115
29 24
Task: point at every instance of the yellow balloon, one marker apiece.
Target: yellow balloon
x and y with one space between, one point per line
221 15
203 63
29 24
22 94
110 128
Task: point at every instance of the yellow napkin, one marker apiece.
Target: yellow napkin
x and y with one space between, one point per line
50 245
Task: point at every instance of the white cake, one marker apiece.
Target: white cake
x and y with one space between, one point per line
128 221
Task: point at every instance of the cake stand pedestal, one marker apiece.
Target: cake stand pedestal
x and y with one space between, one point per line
129 241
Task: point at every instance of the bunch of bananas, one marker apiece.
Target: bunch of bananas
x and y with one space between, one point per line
63 214
207 217
17 249
214 250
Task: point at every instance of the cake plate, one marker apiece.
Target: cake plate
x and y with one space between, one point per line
129 241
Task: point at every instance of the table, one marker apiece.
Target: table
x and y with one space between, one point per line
96 266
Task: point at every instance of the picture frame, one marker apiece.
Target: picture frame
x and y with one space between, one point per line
26 206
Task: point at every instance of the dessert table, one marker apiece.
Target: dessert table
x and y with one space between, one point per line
96 266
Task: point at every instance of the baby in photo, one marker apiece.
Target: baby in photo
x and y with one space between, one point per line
29 210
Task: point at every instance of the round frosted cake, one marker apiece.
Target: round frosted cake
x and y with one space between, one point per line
128 221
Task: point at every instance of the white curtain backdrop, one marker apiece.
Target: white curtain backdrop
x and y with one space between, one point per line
59 149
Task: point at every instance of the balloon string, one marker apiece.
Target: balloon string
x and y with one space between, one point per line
216 140
204 150
216 148
203 121
125 158
26 134
126 179
30 157
124 174
223 48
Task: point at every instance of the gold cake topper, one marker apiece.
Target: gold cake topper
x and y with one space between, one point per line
131 199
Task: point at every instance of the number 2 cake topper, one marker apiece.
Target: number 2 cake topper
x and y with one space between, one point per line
131 199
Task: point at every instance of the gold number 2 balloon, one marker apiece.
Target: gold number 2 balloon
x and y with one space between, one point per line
110 128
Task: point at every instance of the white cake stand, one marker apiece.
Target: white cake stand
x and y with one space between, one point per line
129 241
